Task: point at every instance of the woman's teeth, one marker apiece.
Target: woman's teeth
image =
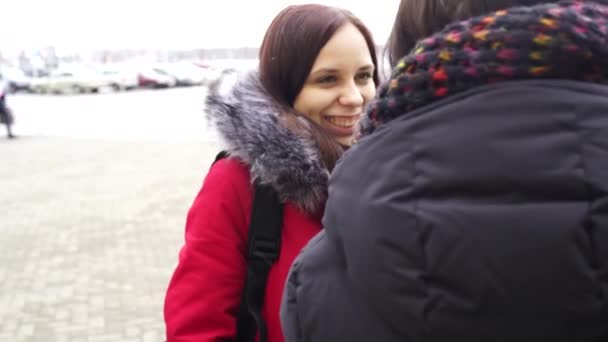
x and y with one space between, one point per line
343 122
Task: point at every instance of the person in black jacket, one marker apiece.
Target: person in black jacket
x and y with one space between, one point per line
6 116
475 205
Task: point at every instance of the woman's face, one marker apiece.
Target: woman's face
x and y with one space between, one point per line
339 85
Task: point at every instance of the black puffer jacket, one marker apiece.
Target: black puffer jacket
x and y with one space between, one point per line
482 216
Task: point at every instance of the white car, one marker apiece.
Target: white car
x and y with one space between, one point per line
16 79
119 78
185 74
70 81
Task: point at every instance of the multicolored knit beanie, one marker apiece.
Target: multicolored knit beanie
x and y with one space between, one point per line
567 40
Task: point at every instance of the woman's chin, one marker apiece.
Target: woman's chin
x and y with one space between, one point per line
346 141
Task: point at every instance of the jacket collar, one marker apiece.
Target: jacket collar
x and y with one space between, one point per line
249 123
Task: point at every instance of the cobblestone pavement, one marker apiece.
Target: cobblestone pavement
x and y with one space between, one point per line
89 235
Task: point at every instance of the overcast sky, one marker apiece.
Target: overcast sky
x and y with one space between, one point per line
87 24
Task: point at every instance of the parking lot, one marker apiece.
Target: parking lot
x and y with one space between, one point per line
94 196
160 114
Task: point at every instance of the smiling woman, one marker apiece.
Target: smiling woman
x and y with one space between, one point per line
333 76
285 126
340 83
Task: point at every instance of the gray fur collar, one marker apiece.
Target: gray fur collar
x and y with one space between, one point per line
247 119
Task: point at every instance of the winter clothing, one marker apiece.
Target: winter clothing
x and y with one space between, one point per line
559 41
204 295
6 114
476 207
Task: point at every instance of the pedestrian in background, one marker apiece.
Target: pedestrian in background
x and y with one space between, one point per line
6 115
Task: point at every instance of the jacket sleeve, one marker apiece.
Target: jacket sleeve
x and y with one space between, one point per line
204 294
291 321
289 312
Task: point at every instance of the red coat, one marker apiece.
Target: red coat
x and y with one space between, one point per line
205 292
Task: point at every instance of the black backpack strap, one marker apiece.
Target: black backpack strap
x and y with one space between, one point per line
221 155
264 245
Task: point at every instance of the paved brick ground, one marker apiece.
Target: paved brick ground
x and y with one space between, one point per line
89 235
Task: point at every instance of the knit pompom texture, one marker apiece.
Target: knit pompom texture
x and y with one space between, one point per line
567 40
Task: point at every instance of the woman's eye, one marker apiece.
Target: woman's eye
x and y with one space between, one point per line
327 79
364 76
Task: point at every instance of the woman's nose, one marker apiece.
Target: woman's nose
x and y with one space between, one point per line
351 95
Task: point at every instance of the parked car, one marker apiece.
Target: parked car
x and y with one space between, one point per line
70 80
152 77
120 78
185 74
214 69
16 79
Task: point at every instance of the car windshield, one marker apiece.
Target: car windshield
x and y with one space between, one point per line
160 71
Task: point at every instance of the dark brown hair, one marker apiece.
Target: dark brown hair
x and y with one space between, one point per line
290 47
417 19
